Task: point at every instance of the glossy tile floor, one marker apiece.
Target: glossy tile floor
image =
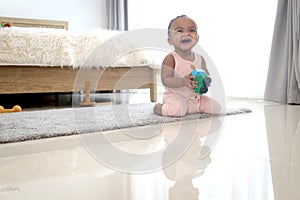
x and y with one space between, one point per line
252 156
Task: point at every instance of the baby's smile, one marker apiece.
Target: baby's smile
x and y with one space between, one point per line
186 40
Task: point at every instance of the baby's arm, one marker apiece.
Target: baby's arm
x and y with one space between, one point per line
167 75
203 65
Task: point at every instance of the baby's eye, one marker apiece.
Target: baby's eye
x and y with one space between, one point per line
179 31
193 30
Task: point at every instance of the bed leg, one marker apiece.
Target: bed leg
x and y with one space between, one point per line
153 94
153 87
87 101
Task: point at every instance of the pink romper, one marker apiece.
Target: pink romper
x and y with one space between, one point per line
182 100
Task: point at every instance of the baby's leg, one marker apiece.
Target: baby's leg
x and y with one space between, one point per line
208 105
174 106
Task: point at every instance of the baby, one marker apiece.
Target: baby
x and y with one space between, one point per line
179 97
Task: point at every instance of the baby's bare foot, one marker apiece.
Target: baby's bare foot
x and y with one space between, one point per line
157 109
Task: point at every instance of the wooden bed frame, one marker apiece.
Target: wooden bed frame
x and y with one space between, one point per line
16 79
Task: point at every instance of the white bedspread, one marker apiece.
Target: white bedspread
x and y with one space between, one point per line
58 47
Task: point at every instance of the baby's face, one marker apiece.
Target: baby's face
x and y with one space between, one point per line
183 34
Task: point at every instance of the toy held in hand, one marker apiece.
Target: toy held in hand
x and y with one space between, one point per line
202 79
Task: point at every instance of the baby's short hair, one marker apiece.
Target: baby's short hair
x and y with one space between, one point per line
172 20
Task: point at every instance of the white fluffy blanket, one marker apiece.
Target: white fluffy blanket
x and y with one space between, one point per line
57 47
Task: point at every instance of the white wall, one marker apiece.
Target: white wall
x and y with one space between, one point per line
237 35
82 15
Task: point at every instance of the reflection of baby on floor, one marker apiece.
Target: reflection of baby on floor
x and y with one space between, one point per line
193 162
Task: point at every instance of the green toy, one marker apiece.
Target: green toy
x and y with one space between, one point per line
202 79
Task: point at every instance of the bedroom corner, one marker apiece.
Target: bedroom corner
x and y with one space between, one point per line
79 80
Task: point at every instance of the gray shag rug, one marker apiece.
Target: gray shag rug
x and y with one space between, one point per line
30 125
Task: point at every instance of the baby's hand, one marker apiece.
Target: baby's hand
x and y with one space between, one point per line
190 79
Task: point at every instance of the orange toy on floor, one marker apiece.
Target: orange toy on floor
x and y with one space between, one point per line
16 108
